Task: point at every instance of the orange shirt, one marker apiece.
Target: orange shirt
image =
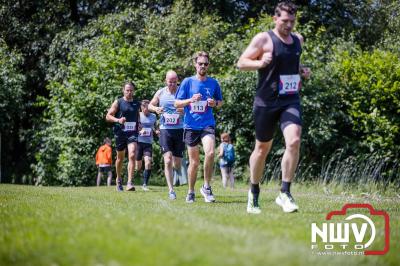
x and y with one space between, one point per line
104 155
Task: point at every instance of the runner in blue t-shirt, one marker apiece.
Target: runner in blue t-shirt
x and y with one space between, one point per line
171 129
199 95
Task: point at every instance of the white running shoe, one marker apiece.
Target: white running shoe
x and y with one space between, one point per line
130 187
172 195
252 204
207 194
286 201
145 188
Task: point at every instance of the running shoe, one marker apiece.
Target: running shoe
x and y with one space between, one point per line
145 188
119 186
130 187
190 198
252 203
207 194
172 195
286 201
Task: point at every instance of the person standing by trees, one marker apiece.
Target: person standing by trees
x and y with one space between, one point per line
104 161
171 128
199 95
145 142
226 156
276 56
124 113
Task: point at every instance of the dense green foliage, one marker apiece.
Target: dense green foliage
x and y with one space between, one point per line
86 87
11 98
350 105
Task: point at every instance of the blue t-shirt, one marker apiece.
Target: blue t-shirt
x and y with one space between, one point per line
199 115
170 118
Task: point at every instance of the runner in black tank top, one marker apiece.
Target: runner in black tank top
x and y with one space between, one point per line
124 113
129 110
276 57
285 61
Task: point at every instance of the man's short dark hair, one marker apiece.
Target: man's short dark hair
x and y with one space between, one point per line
200 54
287 6
143 102
130 83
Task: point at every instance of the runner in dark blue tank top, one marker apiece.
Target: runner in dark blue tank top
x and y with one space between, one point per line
276 56
124 113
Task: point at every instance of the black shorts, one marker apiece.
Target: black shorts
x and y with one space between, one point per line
122 139
172 140
266 119
193 137
143 149
104 169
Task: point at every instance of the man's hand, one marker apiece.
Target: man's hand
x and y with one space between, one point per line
196 97
266 59
211 102
122 120
180 111
305 72
159 110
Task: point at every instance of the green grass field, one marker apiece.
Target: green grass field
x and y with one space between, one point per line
98 226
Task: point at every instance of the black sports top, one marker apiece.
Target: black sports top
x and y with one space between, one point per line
285 61
129 110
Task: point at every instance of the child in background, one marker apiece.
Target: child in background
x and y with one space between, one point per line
104 161
227 160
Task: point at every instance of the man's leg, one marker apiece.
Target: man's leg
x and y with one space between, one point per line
257 160
290 121
138 165
257 164
177 170
290 159
109 177
131 164
118 169
208 142
99 176
168 171
194 162
147 169
209 151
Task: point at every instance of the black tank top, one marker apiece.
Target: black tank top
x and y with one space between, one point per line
285 61
129 110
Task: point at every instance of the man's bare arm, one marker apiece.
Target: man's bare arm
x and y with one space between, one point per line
254 57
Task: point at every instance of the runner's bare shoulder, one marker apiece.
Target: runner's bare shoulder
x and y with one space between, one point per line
298 35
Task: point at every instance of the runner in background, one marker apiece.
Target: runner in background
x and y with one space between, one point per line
226 156
124 113
171 129
145 142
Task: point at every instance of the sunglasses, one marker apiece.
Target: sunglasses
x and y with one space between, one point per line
202 64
